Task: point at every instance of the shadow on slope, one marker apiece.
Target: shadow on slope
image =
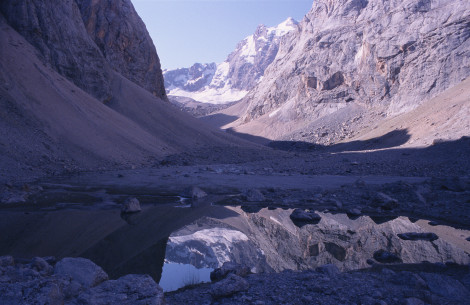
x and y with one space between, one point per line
392 139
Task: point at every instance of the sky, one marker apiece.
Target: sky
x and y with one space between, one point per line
189 31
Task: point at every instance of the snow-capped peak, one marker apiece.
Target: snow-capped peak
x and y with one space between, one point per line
285 27
230 80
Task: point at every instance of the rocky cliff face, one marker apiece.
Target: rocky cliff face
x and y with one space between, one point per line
67 47
388 55
66 106
85 40
240 72
122 37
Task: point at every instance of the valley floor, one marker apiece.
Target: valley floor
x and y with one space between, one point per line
429 183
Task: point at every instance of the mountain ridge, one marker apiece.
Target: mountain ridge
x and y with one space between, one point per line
232 79
361 57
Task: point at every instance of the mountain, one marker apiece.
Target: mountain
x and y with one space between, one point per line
240 72
354 62
81 88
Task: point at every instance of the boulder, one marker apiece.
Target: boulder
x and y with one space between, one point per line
131 205
197 193
446 287
41 265
253 195
82 270
229 286
129 289
328 269
386 257
385 202
229 268
300 217
414 301
354 212
418 236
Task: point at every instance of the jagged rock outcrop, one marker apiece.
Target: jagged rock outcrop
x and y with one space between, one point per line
388 55
240 72
122 37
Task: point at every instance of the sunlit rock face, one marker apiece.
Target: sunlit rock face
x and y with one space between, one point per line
86 41
391 55
240 72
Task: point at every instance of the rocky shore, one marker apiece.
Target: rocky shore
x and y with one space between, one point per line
80 281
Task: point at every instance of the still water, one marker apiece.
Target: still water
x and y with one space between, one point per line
181 246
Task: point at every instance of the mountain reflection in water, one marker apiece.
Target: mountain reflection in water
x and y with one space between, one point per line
187 243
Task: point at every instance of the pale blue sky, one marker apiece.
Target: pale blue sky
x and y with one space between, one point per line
189 31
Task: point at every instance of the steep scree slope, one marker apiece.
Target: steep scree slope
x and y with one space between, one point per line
63 108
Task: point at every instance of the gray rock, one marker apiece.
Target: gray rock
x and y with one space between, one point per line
197 193
67 48
41 265
381 67
302 216
82 270
386 257
6 261
229 286
130 289
354 212
253 195
131 205
418 236
128 49
328 269
229 268
414 301
446 286
79 50
385 202
14 197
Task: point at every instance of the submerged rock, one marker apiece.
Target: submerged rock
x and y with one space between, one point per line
418 236
131 205
386 257
197 193
300 217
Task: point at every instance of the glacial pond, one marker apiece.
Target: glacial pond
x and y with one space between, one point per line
179 245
